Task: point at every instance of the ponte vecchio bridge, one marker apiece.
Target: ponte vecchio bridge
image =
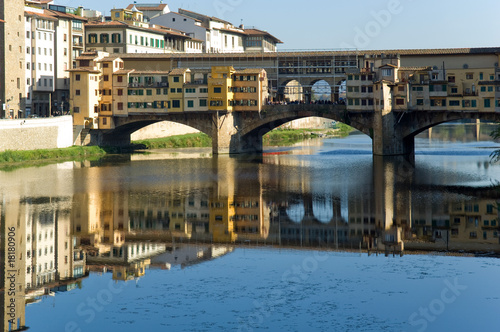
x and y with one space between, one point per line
444 85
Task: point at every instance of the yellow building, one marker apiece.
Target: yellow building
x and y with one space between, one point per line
85 85
385 85
103 89
131 16
222 216
220 89
250 89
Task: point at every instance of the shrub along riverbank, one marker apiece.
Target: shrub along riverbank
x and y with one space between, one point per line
12 159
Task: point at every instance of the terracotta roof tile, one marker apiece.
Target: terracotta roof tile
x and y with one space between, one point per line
142 8
257 32
179 71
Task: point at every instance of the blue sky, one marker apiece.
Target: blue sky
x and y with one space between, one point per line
361 24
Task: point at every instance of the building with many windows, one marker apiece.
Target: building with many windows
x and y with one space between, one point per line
12 59
383 84
128 33
40 61
103 89
217 35
70 41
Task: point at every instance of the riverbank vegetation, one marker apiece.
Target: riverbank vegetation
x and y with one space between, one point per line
198 140
13 159
283 137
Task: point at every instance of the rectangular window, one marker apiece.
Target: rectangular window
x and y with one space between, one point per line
217 90
420 102
454 102
77 77
203 102
120 92
149 92
120 106
400 101
176 104
179 90
119 78
487 103
77 92
190 103
469 76
176 79
106 78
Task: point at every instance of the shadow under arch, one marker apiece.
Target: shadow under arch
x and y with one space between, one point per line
125 126
281 114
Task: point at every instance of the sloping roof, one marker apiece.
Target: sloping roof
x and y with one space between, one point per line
152 72
109 58
389 65
250 71
66 15
84 69
159 7
211 18
191 18
158 28
123 71
179 71
46 15
415 68
257 32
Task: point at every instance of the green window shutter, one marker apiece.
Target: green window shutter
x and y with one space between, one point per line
473 103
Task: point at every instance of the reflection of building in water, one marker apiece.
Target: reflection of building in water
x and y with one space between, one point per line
13 266
128 260
148 212
186 255
100 218
309 220
460 225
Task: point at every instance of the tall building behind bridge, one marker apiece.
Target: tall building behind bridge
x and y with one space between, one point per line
12 59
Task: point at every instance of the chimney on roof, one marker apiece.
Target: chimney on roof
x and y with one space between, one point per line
242 26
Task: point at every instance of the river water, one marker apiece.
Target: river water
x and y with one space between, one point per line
320 236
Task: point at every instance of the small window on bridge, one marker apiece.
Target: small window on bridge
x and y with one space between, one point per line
217 90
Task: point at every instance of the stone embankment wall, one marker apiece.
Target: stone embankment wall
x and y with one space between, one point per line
32 134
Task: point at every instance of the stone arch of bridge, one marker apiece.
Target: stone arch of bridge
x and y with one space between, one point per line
125 126
264 124
414 123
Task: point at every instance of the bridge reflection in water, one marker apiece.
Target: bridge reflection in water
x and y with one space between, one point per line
204 214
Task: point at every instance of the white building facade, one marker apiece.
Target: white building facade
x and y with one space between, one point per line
40 61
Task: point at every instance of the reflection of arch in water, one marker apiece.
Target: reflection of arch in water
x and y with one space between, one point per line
296 211
323 209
